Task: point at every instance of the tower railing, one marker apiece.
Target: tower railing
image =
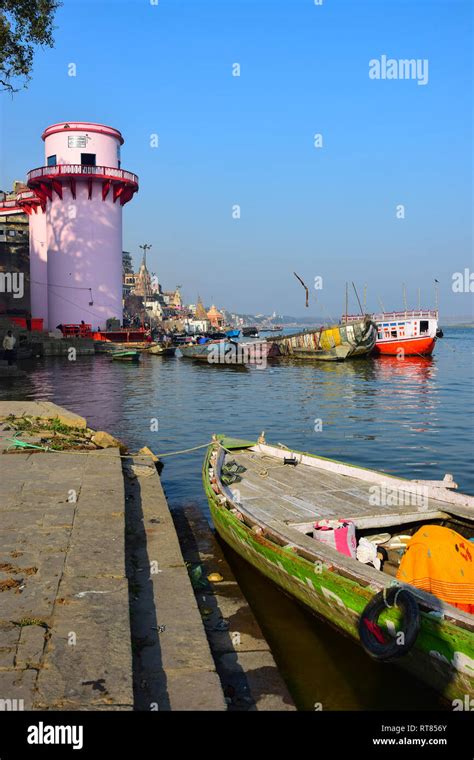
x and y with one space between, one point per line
80 170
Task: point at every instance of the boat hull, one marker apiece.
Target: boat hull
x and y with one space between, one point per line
423 346
336 343
125 356
226 353
442 655
158 350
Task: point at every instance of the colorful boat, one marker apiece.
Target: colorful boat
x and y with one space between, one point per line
335 343
125 355
232 333
405 333
264 502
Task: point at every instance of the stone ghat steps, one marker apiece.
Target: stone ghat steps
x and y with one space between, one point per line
76 559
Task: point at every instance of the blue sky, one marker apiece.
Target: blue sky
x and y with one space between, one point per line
248 140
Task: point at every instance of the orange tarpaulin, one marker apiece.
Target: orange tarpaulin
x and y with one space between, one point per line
440 561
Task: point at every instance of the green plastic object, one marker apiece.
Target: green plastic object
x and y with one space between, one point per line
24 445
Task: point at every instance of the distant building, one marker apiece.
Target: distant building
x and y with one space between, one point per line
197 325
154 308
142 281
173 298
215 317
14 256
200 312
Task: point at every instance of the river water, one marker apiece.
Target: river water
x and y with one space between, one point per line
412 418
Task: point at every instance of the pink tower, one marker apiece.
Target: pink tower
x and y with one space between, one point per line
76 225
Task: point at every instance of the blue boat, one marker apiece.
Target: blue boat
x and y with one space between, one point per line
233 333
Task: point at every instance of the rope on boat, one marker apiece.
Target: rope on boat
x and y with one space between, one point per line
185 451
263 472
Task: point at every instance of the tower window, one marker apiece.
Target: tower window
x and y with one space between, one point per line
88 159
52 160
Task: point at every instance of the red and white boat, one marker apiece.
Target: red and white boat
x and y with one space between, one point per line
405 333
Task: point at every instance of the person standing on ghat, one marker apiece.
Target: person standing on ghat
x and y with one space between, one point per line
9 347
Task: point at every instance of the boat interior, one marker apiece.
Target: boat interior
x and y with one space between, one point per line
288 492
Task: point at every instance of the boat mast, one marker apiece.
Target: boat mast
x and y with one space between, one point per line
405 298
358 299
347 299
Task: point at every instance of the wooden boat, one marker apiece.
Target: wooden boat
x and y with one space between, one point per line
335 343
267 516
250 332
158 349
125 355
405 333
232 333
227 352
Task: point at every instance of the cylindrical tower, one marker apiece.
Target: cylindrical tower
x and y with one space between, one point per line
36 210
83 188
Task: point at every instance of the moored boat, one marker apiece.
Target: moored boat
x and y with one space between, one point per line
405 333
160 349
334 343
266 502
250 331
125 355
227 352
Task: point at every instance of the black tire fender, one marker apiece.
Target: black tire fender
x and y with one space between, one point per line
374 641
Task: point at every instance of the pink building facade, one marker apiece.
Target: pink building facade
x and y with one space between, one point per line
75 207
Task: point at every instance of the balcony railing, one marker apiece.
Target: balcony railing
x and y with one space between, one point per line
392 315
408 314
79 170
11 203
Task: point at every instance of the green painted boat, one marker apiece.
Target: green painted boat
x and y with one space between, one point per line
264 501
125 355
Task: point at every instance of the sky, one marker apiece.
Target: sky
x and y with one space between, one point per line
386 199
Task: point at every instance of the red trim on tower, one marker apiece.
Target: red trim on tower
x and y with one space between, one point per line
41 195
57 187
46 189
126 196
46 179
118 190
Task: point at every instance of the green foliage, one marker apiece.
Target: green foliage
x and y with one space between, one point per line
23 25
